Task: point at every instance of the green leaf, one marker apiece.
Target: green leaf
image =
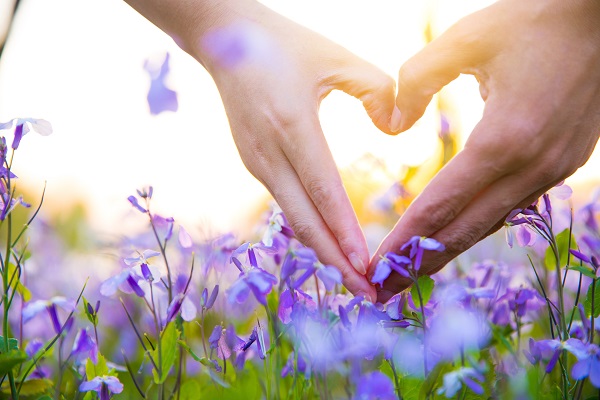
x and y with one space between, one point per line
89 396
562 242
410 387
11 359
587 271
99 369
13 344
16 283
500 335
595 288
168 348
34 387
46 397
86 306
432 380
426 285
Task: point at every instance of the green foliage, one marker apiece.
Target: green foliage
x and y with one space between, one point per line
15 282
13 344
168 353
35 387
189 390
593 293
99 369
426 285
11 359
410 387
564 241
585 270
433 380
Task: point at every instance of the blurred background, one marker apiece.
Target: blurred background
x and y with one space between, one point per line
79 64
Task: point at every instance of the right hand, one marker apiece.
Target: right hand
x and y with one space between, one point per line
272 75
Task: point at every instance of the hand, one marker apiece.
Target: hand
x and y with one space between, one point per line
272 75
538 65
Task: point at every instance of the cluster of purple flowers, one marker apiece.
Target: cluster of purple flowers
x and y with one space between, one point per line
224 315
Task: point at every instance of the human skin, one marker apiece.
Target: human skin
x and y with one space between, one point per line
538 66
271 86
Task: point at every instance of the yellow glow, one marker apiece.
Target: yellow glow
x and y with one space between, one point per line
79 65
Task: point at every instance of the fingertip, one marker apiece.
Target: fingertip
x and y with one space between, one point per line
369 296
357 262
395 120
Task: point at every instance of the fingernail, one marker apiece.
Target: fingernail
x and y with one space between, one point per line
366 296
357 263
395 120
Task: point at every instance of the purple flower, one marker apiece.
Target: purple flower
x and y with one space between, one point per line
288 299
184 238
454 380
134 202
588 365
255 280
160 97
550 349
35 307
329 275
85 347
105 386
181 303
24 125
164 225
208 302
258 337
301 365
454 330
374 385
390 262
276 224
418 245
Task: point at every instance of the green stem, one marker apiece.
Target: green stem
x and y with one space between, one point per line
164 255
424 323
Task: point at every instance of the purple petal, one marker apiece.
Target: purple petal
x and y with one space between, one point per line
185 240
330 276
581 369
382 271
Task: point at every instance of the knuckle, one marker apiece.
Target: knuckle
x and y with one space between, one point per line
305 231
322 195
460 240
437 215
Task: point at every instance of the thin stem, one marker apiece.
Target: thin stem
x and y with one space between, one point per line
424 324
396 380
164 255
550 313
592 327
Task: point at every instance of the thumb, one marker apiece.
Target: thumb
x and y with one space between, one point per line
463 48
373 87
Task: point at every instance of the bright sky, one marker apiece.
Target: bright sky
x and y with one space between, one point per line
79 64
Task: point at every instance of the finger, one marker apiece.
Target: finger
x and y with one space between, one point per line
309 155
374 88
484 215
452 189
307 223
461 49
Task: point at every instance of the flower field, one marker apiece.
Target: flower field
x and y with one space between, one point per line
261 318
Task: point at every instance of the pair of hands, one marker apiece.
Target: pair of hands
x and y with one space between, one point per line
538 65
